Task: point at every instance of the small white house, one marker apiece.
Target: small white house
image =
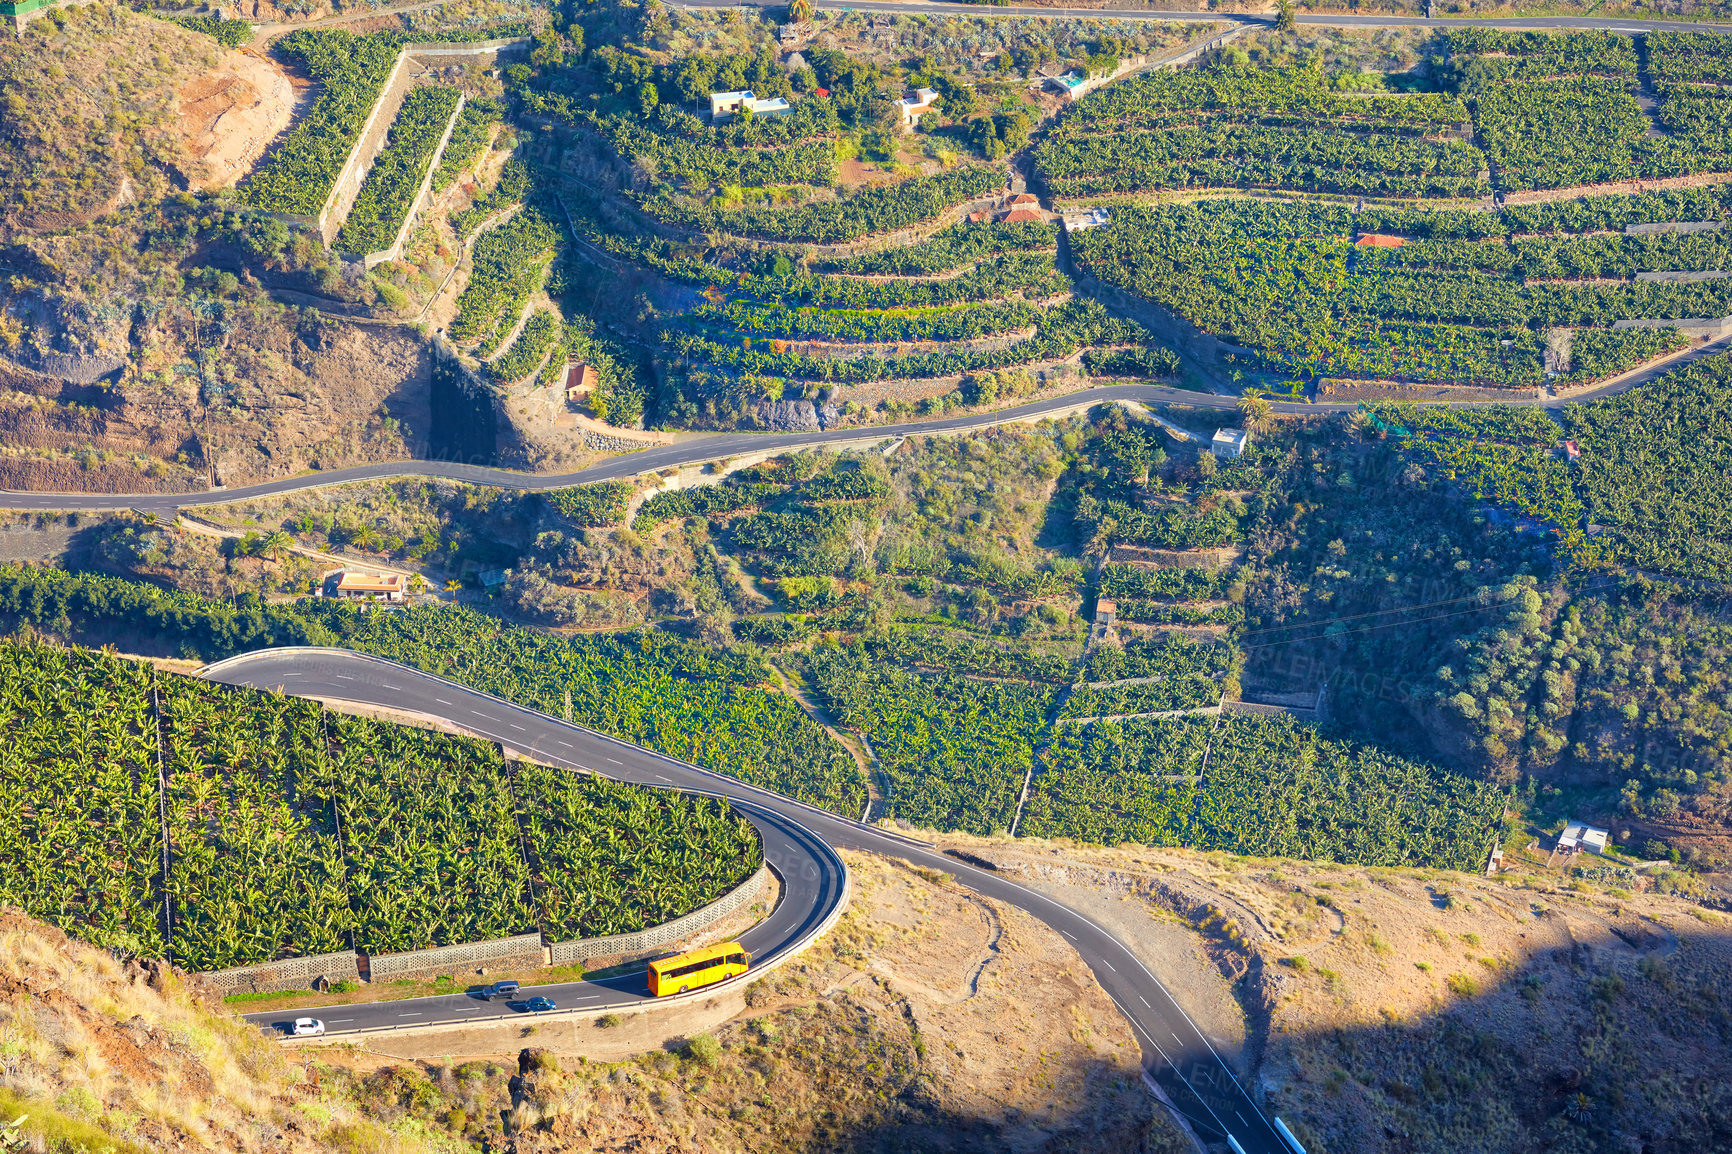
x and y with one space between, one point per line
914 104
1229 443
1070 85
1578 836
725 104
1085 219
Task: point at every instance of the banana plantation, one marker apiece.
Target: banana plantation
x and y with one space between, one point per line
166 816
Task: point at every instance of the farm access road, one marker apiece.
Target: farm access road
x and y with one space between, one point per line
718 446
799 842
1255 19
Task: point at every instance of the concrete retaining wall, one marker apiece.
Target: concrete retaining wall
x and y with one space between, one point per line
1673 226
1683 277
1708 328
659 937
524 952
378 124
365 151
288 974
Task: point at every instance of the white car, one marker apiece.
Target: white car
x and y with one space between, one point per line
307 1028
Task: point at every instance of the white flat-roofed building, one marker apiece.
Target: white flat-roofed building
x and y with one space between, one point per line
725 104
1229 443
1578 836
358 585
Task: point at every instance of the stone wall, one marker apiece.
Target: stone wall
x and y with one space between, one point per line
288 974
659 937
524 952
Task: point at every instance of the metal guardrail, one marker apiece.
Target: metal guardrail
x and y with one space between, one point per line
787 951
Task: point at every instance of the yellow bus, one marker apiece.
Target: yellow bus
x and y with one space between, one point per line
704 966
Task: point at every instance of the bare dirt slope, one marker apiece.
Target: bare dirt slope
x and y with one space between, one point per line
1422 1010
104 1055
230 115
66 83
265 394
927 1020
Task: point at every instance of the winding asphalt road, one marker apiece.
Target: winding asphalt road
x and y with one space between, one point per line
714 447
799 842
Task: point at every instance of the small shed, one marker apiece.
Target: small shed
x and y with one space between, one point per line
1069 85
1578 836
1229 443
580 380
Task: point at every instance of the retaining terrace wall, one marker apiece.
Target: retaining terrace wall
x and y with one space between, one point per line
288 974
423 195
411 61
524 952
659 937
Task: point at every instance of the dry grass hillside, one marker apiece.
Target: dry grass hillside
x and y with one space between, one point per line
87 112
100 1054
927 1020
1422 1010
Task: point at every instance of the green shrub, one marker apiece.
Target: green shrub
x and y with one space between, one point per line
703 1048
593 506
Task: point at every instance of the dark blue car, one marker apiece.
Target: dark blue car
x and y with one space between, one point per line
536 1005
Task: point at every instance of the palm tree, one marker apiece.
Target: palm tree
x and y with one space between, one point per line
275 544
800 11
1101 540
1254 410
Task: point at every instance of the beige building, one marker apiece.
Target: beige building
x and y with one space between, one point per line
356 585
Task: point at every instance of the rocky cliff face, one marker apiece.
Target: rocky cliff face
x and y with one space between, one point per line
263 394
796 416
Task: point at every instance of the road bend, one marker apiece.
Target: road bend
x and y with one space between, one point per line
799 842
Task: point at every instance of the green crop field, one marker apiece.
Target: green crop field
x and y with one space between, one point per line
1269 787
288 830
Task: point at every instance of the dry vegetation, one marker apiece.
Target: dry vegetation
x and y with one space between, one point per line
123 1056
927 1019
87 96
1425 1010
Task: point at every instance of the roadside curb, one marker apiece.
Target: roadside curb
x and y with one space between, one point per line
741 982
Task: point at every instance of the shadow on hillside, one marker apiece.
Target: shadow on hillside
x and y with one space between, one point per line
1120 1116
1608 1037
